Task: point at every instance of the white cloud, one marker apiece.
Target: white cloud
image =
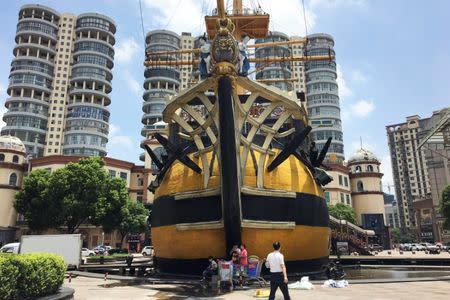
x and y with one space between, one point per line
386 169
118 141
358 76
362 108
175 15
132 84
344 90
287 16
126 50
336 3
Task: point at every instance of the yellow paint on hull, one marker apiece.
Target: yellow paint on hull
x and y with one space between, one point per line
292 176
301 243
188 244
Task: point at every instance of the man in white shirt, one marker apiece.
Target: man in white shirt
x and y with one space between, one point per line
278 274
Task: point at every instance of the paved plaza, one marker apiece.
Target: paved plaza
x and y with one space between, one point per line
93 288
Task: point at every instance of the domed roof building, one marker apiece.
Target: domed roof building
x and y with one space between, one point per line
362 156
367 191
12 166
8 142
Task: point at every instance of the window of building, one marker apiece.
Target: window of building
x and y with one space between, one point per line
347 198
2 157
369 168
13 179
358 169
327 197
123 175
360 186
16 159
340 180
112 173
345 181
342 198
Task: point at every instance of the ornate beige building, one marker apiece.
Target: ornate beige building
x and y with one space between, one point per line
12 167
367 192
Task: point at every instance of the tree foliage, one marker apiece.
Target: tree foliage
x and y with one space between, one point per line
444 206
399 237
342 212
78 193
34 203
134 218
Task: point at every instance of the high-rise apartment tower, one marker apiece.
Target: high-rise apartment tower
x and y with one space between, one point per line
60 82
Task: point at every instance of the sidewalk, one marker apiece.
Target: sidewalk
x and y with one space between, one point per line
93 289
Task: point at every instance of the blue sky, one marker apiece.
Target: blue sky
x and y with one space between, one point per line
393 57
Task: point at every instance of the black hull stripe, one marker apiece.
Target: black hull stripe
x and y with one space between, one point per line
305 209
197 266
168 211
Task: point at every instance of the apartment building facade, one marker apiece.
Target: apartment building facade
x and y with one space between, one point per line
60 82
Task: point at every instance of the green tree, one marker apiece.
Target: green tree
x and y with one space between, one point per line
134 218
342 212
34 203
399 237
78 193
444 206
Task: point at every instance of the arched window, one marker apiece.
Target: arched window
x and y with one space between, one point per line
15 159
369 168
358 169
2 157
360 186
13 179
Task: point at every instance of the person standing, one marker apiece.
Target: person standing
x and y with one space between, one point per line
278 274
244 256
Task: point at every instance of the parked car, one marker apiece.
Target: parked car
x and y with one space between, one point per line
405 247
117 250
433 249
376 247
148 251
418 247
99 250
10 248
87 252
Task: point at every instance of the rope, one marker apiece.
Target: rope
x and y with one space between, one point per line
304 18
142 22
173 14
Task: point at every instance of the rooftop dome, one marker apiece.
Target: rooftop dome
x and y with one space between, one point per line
363 155
11 143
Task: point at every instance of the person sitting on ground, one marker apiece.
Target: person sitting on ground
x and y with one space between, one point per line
211 270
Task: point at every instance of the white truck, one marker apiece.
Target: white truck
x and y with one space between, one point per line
68 246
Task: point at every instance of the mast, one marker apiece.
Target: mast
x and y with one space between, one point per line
237 7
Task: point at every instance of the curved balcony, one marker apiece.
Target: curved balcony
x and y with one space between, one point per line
96 60
27 65
94 45
108 76
103 35
39 26
21 111
7 128
25 99
84 149
86 131
42 48
95 20
27 10
77 90
79 79
88 113
28 86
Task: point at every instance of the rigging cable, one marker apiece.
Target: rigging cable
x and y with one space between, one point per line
142 22
304 18
173 14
